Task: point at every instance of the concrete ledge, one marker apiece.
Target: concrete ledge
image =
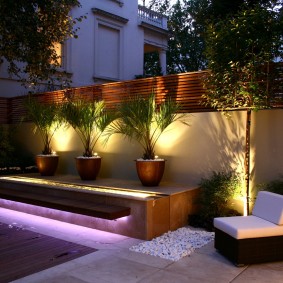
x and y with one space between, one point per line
153 211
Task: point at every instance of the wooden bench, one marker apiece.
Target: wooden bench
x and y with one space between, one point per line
89 208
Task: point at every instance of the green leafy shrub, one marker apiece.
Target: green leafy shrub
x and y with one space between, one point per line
13 160
275 186
6 148
215 195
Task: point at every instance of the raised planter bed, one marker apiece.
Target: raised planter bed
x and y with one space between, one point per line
117 206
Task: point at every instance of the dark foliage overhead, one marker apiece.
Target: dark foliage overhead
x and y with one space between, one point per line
29 29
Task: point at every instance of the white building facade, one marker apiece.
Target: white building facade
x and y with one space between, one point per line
110 46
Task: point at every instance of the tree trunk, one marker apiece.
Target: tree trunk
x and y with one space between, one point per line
247 159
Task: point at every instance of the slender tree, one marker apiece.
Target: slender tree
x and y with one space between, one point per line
241 50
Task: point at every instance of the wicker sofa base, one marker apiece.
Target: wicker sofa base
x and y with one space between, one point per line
248 251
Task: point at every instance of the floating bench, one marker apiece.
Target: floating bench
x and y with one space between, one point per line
89 208
102 204
256 238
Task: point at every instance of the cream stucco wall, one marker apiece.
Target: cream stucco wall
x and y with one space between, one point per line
267 141
211 143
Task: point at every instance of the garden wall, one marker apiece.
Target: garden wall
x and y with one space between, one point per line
212 143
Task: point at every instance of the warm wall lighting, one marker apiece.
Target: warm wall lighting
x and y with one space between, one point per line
245 212
172 136
241 198
62 140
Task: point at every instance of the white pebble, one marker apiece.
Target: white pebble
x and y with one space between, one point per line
175 245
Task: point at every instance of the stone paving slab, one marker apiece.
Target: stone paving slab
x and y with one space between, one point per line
113 262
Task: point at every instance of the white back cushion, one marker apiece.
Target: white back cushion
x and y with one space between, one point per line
269 206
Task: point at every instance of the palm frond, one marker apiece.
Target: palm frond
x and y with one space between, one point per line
142 120
89 119
45 118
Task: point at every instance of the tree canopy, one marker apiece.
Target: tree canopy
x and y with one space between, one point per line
185 45
241 50
188 22
29 30
244 51
242 42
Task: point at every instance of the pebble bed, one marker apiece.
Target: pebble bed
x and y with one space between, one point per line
175 245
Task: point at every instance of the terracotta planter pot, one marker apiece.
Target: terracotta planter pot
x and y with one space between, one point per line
47 164
150 172
88 168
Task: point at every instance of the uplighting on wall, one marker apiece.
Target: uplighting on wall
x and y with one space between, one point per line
62 140
174 134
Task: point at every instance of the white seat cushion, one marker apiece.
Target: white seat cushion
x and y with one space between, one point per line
269 206
244 227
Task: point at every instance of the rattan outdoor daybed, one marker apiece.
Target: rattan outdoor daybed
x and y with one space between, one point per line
256 238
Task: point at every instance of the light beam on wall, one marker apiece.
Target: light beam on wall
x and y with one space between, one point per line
62 140
172 136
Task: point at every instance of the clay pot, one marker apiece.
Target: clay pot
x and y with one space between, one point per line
150 172
88 167
47 164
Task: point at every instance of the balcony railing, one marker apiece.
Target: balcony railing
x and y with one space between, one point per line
152 17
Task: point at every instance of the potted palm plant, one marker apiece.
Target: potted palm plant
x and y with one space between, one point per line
141 119
45 116
89 119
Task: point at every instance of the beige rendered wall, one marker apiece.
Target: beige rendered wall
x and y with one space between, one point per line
211 143
267 146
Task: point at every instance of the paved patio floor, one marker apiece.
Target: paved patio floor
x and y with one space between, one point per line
113 262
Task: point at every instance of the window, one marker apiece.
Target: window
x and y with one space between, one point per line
108 45
108 52
59 48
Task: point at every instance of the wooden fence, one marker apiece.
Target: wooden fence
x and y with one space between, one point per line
4 109
186 88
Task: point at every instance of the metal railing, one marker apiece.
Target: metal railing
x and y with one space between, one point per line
152 17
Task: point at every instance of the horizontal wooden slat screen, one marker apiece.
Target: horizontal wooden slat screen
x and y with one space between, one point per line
186 88
18 112
4 110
